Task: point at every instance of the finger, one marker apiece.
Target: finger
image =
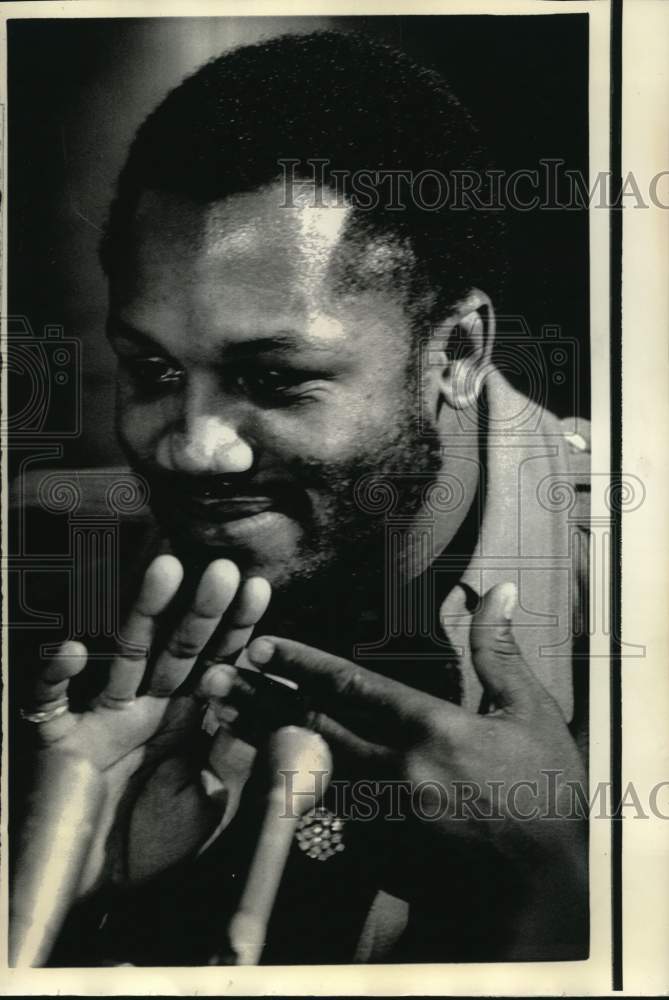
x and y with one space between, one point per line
229 695
346 746
213 597
217 681
216 686
53 681
248 607
257 701
51 690
375 707
495 654
159 587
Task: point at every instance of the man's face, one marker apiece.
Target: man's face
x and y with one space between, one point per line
253 392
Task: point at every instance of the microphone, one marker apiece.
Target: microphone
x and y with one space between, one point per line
63 814
305 757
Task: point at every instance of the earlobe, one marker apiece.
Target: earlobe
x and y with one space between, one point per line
466 340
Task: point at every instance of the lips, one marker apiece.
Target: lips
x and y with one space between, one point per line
220 502
206 501
225 509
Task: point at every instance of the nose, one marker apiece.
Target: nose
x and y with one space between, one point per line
206 445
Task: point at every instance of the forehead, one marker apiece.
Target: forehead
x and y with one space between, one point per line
252 258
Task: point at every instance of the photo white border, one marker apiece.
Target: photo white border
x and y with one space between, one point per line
645 531
590 977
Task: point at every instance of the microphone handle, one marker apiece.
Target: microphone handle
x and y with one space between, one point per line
306 757
248 927
63 814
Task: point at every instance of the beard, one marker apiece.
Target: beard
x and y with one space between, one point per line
343 558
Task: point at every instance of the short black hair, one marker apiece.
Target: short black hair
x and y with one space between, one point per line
339 97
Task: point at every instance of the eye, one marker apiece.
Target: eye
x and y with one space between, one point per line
154 374
272 384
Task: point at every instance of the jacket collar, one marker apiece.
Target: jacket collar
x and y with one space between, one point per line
525 537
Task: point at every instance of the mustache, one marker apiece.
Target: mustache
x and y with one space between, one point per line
224 487
298 477
177 498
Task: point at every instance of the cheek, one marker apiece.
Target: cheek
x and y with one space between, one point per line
323 434
140 425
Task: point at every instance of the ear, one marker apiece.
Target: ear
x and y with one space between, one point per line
460 349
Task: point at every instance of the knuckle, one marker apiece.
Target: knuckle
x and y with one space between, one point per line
161 690
132 653
318 722
183 648
349 681
504 646
165 681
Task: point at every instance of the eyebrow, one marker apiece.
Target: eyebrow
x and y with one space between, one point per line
117 328
282 340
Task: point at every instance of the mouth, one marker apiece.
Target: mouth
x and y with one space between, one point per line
223 507
213 508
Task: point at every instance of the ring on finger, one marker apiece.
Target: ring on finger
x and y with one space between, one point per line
45 714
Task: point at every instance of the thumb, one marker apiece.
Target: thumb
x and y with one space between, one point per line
495 653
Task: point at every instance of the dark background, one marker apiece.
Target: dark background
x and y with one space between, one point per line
79 88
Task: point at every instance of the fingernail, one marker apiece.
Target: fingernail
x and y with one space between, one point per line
509 597
260 651
219 680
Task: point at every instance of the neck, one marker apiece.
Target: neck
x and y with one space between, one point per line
353 605
330 611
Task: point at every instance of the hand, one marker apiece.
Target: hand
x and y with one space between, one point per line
122 733
392 729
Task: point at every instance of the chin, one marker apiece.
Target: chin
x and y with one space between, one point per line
280 561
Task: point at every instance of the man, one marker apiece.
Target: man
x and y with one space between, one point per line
305 384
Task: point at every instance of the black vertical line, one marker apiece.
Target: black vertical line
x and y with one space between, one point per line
615 275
